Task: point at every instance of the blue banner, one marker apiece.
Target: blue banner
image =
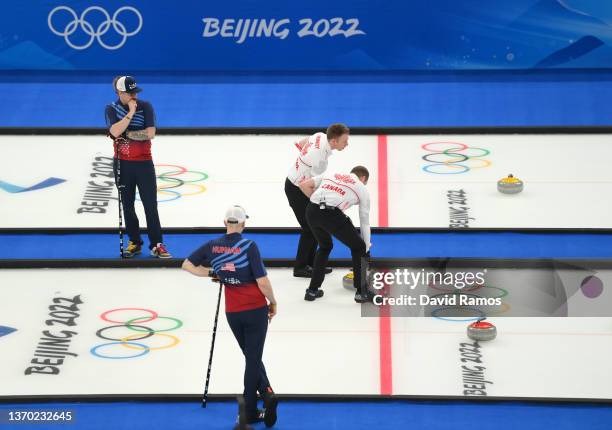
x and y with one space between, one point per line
248 35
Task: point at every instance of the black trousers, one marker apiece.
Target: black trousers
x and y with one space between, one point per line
250 328
324 224
140 174
307 246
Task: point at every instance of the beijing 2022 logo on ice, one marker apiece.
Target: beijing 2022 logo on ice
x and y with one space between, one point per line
94 27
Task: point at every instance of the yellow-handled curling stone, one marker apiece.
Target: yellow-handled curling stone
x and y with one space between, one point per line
347 281
510 185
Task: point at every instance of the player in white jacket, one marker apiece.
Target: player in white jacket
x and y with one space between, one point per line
311 161
330 195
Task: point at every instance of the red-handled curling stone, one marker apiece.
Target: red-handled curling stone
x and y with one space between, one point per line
481 330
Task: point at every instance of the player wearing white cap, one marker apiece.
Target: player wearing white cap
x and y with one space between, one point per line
330 195
237 263
311 161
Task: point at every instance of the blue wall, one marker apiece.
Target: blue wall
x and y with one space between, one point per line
314 101
315 35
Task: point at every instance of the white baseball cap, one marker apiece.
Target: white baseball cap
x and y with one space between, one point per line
235 215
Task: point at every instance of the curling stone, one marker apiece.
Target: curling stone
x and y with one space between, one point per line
481 330
510 185
347 281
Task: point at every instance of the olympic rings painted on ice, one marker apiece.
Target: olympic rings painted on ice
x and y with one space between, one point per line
134 325
175 181
452 158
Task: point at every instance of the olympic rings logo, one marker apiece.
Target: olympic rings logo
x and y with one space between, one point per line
94 33
178 182
450 313
453 158
132 344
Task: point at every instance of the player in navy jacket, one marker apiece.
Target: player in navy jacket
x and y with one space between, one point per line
131 125
237 263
